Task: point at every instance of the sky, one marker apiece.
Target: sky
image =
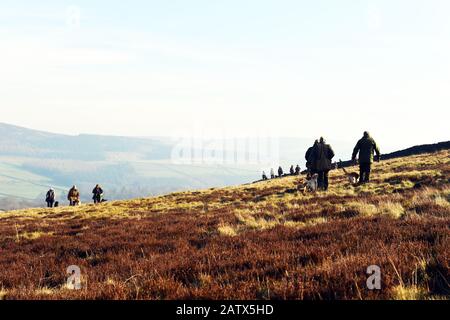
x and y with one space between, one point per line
229 68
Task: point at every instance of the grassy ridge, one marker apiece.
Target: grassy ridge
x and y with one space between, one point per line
259 241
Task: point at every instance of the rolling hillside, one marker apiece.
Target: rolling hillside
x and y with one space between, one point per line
256 241
32 161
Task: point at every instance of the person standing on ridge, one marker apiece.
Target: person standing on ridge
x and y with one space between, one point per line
323 154
291 170
74 196
297 170
272 174
264 176
366 147
50 198
280 172
97 194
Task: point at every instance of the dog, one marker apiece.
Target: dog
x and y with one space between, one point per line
352 177
311 184
56 204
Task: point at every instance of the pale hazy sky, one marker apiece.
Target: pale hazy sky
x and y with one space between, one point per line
301 68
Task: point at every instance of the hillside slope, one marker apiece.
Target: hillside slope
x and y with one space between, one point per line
259 241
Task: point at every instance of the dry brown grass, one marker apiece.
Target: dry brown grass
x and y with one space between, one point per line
257 241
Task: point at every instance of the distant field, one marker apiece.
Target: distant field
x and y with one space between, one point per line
29 178
258 241
18 182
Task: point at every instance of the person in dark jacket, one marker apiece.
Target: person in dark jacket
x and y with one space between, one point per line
50 198
97 194
322 155
309 157
280 172
292 171
264 176
366 147
297 170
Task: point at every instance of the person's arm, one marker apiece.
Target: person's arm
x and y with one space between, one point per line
377 150
331 153
308 154
355 151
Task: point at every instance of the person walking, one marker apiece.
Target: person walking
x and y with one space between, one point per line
50 198
366 147
309 157
264 176
292 170
97 194
322 155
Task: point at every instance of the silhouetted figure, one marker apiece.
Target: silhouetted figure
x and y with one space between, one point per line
50 198
322 156
264 176
309 157
74 196
297 170
97 194
292 171
272 174
366 147
280 172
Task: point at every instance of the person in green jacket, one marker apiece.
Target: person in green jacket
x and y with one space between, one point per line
366 147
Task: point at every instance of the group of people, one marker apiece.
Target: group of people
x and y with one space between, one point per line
292 171
319 159
73 196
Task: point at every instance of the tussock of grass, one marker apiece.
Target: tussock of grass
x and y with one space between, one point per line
3 294
392 209
32 235
409 293
43 292
227 230
363 208
308 223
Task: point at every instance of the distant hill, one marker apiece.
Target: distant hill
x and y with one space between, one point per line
18 141
31 161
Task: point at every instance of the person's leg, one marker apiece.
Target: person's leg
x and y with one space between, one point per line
325 180
361 173
365 177
320 179
368 171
